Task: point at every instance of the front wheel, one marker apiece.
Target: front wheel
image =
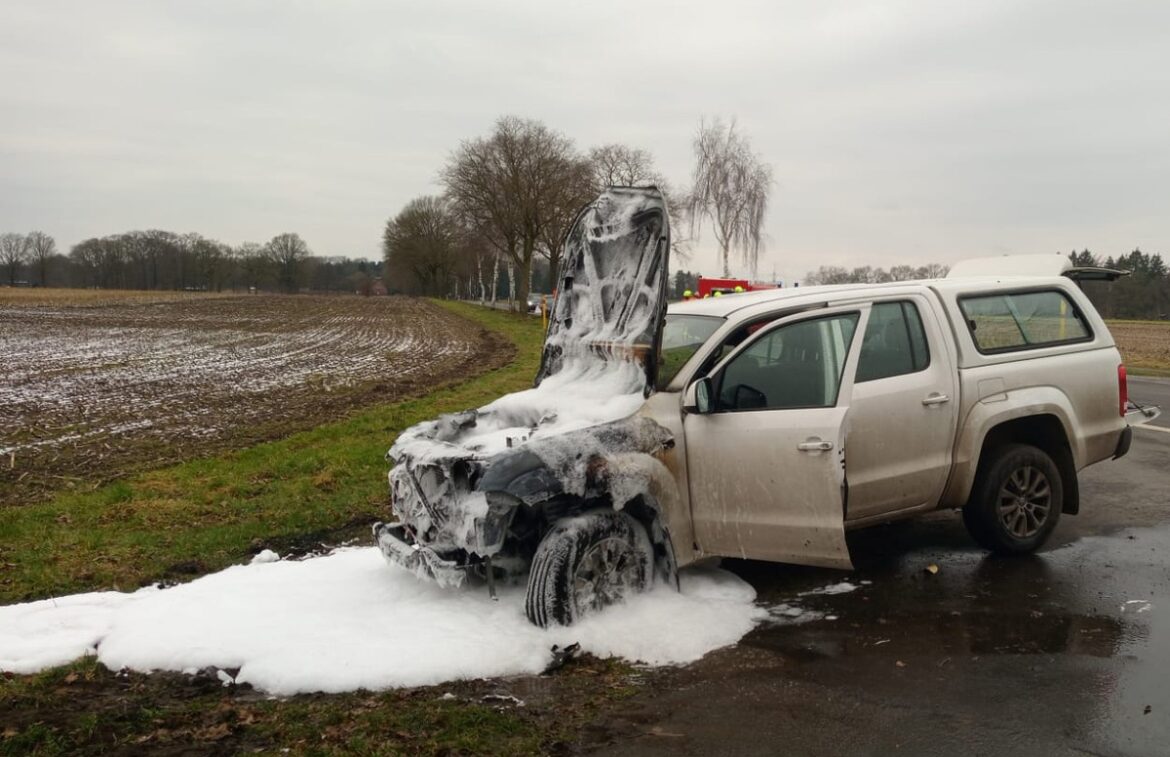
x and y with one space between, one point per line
586 563
1016 501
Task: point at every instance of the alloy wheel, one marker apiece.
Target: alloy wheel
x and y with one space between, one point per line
607 571
1025 501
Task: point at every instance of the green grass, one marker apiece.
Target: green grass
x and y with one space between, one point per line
206 514
1147 371
1156 322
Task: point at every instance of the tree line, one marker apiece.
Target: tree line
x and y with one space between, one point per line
1143 295
157 259
509 199
832 274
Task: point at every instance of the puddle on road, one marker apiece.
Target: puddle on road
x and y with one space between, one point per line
1096 607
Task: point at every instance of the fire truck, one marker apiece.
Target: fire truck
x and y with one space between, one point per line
709 286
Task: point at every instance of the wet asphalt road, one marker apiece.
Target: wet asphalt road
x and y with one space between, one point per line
1152 391
1065 652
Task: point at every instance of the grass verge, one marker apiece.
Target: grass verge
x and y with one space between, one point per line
200 516
83 708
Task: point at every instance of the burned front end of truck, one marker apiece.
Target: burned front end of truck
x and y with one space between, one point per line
553 482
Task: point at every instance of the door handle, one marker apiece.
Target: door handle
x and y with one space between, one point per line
814 445
936 399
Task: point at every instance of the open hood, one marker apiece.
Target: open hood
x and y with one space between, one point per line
611 298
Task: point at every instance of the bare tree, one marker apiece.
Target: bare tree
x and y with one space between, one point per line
869 275
211 263
828 274
574 188
255 264
289 255
622 166
13 254
932 271
510 188
902 273
423 246
731 185
831 274
42 248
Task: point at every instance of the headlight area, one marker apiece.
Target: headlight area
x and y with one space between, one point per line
491 530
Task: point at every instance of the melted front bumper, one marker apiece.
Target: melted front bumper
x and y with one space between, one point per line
399 549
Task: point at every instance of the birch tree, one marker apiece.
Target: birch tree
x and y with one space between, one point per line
730 190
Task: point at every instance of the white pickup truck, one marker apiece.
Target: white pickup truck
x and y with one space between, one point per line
806 412
759 425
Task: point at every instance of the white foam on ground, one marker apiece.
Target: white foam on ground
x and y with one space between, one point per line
347 621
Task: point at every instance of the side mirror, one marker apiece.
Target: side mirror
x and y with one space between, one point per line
698 397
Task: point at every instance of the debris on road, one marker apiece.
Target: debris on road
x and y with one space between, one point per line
842 587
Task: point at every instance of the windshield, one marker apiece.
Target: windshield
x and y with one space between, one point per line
682 335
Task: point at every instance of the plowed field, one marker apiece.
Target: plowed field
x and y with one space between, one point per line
89 393
1144 345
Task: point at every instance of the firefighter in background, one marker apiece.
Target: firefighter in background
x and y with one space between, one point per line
687 295
738 289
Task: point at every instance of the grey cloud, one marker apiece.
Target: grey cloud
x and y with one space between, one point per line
900 132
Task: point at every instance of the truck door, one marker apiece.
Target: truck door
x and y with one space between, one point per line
903 411
765 446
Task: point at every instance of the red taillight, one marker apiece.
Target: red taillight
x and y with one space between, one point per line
1122 390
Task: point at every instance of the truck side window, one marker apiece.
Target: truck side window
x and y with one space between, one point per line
1003 322
894 342
798 365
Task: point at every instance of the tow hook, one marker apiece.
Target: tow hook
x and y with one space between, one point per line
491 578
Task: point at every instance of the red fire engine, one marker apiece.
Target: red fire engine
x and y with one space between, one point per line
708 286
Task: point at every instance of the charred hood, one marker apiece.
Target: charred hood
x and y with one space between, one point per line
611 298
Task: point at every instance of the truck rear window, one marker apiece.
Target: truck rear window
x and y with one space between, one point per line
1007 321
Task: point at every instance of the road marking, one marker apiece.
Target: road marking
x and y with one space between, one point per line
1154 428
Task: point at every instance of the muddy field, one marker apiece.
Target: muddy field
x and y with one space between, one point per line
99 386
1145 345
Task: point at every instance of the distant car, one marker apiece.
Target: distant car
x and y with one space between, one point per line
534 302
761 426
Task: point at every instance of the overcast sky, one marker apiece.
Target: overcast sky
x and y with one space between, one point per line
897 132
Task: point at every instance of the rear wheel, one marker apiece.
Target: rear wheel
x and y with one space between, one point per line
1016 501
586 563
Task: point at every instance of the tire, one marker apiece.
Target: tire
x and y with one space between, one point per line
1016 501
586 563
